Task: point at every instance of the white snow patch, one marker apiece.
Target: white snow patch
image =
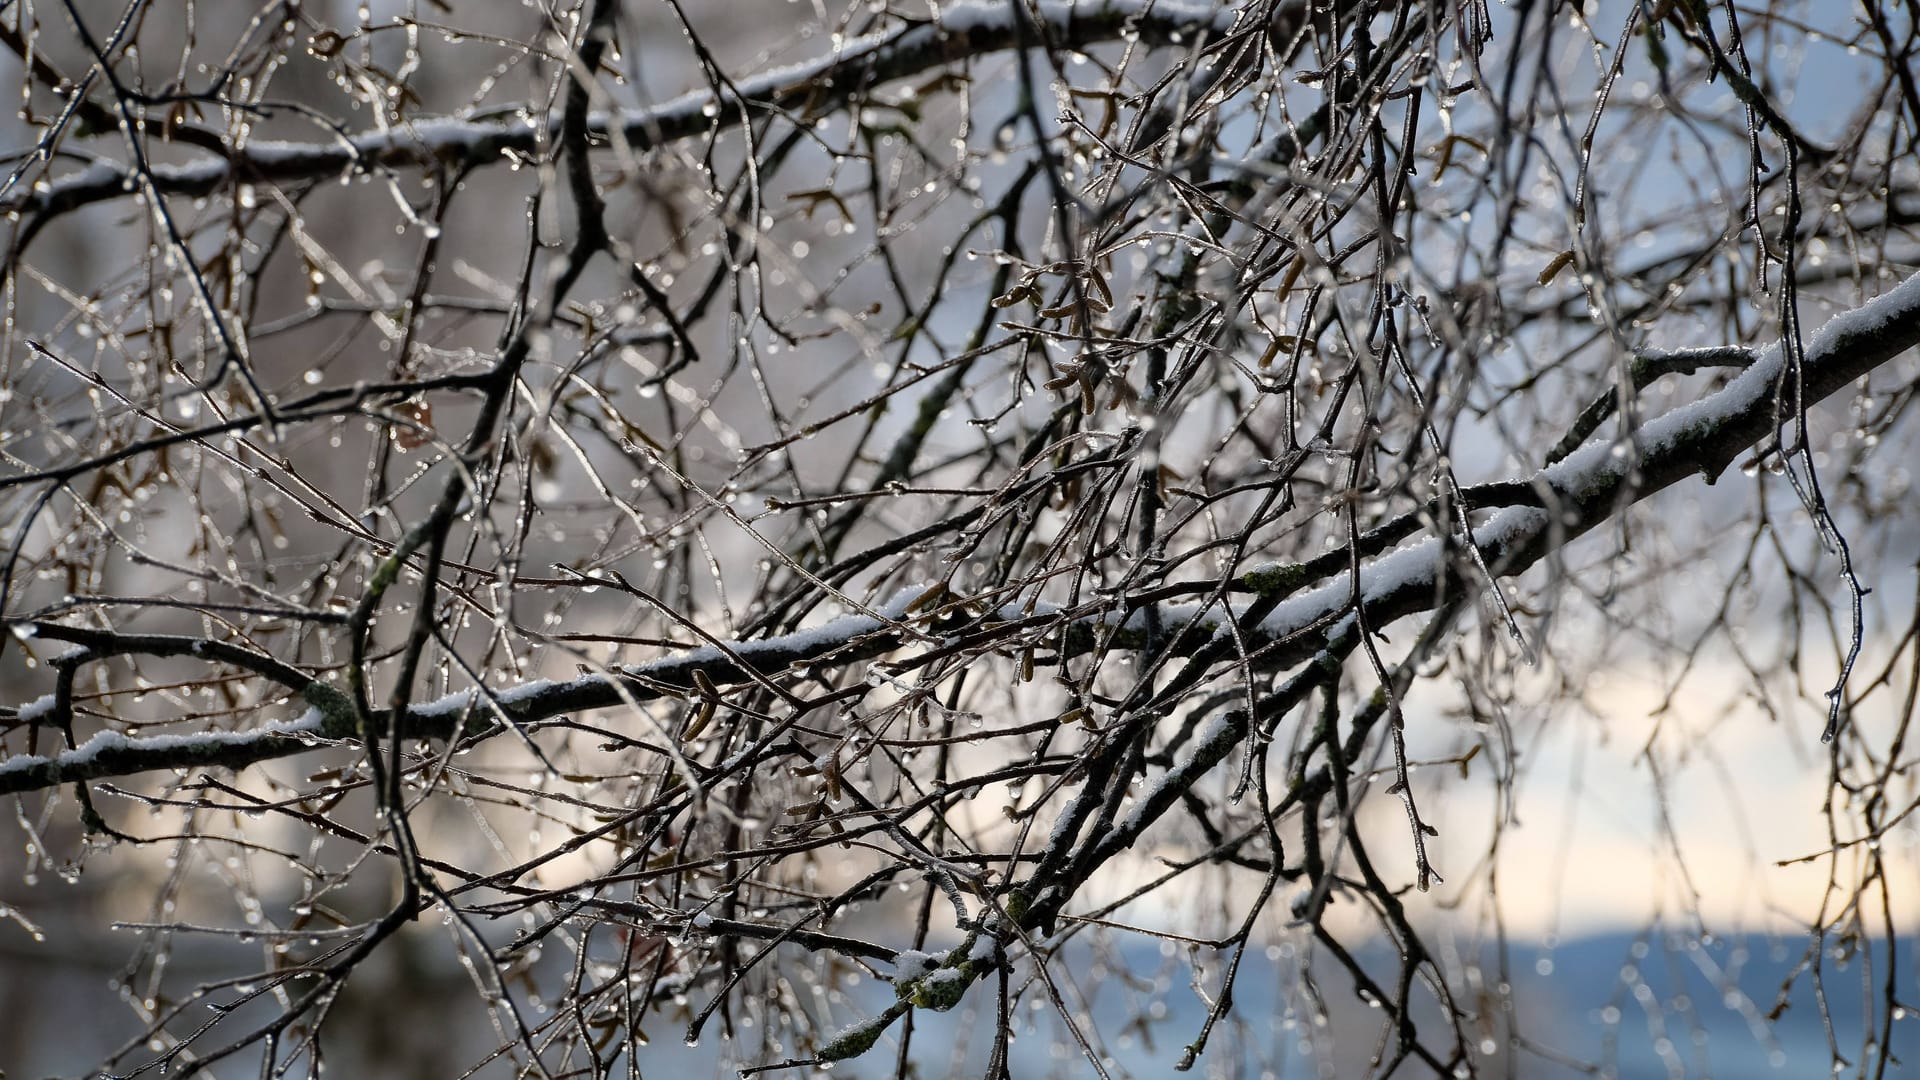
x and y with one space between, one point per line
36 710
947 975
834 632
83 755
912 964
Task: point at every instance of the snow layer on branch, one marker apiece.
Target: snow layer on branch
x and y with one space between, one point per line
418 141
1751 388
1594 466
826 635
911 964
36 710
801 643
80 757
460 701
967 19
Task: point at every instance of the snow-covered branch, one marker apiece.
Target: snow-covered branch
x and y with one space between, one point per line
802 91
843 640
1585 489
1597 481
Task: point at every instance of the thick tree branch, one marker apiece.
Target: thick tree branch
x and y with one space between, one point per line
803 90
1578 493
